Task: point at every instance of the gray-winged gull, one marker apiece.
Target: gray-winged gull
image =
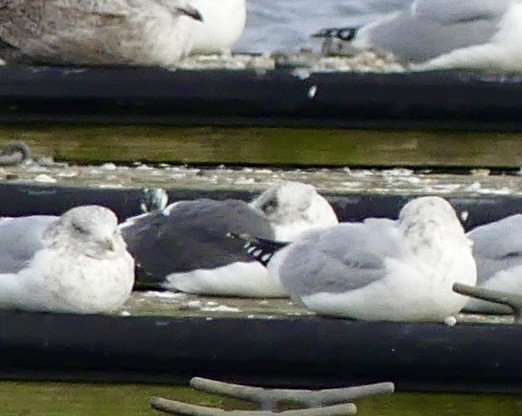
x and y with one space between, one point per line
439 34
222 24
497 248
75 263
185 246
96 32
381 269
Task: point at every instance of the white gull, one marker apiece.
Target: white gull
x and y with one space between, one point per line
75 263
381 269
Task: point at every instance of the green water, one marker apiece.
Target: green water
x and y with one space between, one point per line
273 146
57 399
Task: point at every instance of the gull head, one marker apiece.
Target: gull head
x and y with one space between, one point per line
429 223
430 209
90 230
294 207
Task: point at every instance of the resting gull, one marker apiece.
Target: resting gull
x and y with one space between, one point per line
497 248
222 24
185 246
380 269
75 263
444 34
96 32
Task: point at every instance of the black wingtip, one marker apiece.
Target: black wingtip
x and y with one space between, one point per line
259 249
346 34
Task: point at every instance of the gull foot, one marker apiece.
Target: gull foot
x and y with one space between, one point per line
450 321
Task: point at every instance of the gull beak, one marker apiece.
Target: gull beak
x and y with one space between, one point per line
108 244
191 12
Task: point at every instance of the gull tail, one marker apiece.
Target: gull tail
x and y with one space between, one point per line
344 33
259 249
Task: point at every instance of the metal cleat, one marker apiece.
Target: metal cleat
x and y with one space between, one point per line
180 408
504 298
328 402
14 153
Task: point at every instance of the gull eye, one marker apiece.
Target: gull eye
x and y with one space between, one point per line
79 229
270 205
